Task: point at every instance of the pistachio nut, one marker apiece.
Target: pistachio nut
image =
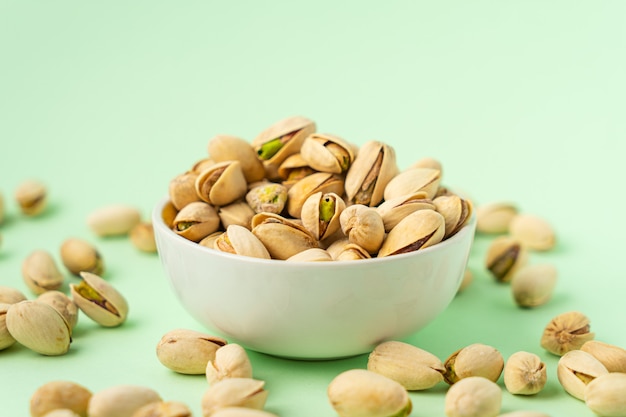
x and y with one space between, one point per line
40 272
6 340
280 140
239 213
414 368
281 237
427 162
293 169
495 217
163 409
307 186
196 221
372 169
182 189
237 392
337 246
466 281
311 255
241 412
533 232
320 214
231 148
474 360
121 400
55 395
63 304
565 332
209 241
396 209
412 181
455 210
222 183
267 197
474 396
201 165
418 230
169 214
327 153
533 285
524 414
505 255
524 373
31 197
99 300
351 252
39 327
240 241
606 394
362 393
10 295
612 357
187 351
576 369
113 220
230 361
78 255
61 412
142 237
363 226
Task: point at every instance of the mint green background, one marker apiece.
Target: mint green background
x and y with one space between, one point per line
520 101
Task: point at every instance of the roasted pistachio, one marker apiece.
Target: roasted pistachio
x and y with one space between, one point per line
40 272
363 226
163 409
31 197
267 197
229 392
63 304
239 213
533 232
55 395
196 221
142 237
282 237
565 332
187 351
455 210
611 356
533 285
396 209
351 252
231 148
169 214
10 295
311 255
293 169
222 183
576 369
474 360
202 164
120 400
182 189
412 181
99 300
418 230
524 373
474 396
230 361
78 255
327 153
209 241
504 257
307 186
495 217
113 220
6 340
240 241
372 169
362 393
606 394
321 214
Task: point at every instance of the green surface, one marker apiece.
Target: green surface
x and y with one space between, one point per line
520 101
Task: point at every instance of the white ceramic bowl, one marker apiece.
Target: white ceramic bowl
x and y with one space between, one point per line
312 310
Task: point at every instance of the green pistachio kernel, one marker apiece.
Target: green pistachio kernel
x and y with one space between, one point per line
269 149
327 208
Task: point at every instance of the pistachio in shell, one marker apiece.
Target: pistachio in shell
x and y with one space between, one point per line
79 255
6 340
113 220
163 409
32 197
59 394
10 295
121 400
187 351
321 212
182 189
495 217
240 241
476 359
505 256
142 237
311 255
41 273
351 252
327 153
269 197
222 183
414 180
63 304
196 221
99 300
363 226
293 169
237 392
281 237
318 182
232 148
230 361
418 230
455 210
396 209
239 213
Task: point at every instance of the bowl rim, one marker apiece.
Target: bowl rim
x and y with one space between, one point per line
158 222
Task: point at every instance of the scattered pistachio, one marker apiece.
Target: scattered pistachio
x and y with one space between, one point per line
576 369
612 357
40 272
79 255
533 232
524 373
6 340
474 360
533 285
120 400
142 237
31 197
606 394
10 295
504 257
495 218
56 395
163 409
187 351
565 332
237 392
231 361
113 220
63 304
99 300
474 396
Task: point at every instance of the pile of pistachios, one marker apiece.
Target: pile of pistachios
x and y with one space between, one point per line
299 195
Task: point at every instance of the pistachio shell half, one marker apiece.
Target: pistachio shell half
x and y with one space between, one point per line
222 183
412 181
188 351
321 212
239 213
363 226
240 241
196 221
318 182
230 361
113 220
418 230
79 255
327 153
56 395
239 392
99 300
455 210
281 237
182 190
396 209
31 197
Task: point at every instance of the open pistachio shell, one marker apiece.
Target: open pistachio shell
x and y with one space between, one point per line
169 213
282 237
269 197
201 165
413 180
303 189
363 226
371 171
320 214
240 241
182 189
396 209
99 300
293 169
231 148
455 210
419 230
222 183
327 153
196 221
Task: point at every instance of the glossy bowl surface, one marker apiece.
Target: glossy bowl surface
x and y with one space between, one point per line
310 310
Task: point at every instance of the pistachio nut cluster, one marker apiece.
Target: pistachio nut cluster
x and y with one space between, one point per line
294 193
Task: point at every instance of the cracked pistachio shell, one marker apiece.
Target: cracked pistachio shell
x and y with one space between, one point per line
337 246
239 213
31 197
473 397
99 300
455 210
320 214
412 181
281 237
293 169
311 255
524 373
505 255
533 285
163 409
240 241
363 393
327 153
10 295
418 230
351 252
63 304
196 221
269 197
187 351
56 395
79 255
396 209
233 392
241 412
142 237
113 220
222 183
318 182
606 395
493 218
169 213
414 368
612 357
474 360
368 176
565 332
533 232
6 340
182 189
121 400
231 148
363 226
40 272
39 327
230 361
576 369
280 140
209 241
